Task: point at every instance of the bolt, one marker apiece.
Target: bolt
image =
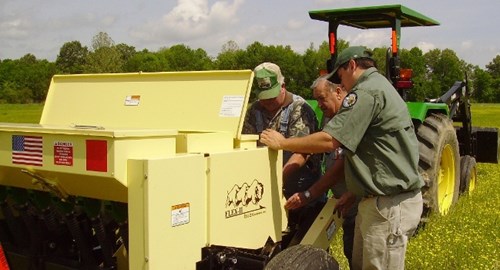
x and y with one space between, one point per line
221 257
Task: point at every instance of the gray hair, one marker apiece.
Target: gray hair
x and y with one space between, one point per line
328 83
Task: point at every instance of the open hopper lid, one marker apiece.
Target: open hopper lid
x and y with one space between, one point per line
196 101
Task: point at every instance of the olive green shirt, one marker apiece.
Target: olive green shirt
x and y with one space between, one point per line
375 128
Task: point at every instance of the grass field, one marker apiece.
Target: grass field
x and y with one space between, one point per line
467 238
20 113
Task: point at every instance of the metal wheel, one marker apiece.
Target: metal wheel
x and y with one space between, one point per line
446 179
468 174
302 257
439 163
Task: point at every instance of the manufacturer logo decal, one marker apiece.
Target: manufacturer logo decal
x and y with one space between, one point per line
245 200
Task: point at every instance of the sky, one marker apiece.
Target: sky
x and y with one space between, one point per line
470 28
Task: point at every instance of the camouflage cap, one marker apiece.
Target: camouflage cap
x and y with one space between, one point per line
346 55
269 80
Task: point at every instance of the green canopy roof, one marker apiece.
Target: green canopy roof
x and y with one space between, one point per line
373 16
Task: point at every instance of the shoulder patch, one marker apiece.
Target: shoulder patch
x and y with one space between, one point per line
350 100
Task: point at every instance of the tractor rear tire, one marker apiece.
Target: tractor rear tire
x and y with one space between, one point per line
468 174
439 164
302 257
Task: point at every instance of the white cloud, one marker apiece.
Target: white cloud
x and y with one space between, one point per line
30 26
187 13
425 46
224 11
191 19
370 39
15 28
467 44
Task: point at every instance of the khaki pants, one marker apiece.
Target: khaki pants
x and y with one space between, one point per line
383 226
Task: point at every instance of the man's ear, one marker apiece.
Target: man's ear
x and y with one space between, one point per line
338 91
352 64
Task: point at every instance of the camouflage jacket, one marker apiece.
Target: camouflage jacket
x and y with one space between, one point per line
300 120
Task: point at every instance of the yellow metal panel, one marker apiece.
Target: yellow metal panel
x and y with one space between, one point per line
324 227
167 208
245 198
203 142
86 130
247 141
132 138
197 100
136 207
65 159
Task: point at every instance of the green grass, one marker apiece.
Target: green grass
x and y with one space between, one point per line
20 113
485 115
467 238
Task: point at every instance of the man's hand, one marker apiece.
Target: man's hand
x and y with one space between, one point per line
344 204
272 138
295 201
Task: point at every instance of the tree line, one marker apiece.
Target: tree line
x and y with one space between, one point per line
27 79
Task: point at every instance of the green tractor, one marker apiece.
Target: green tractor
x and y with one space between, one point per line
448 152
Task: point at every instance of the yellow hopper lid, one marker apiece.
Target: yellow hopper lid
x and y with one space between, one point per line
204 101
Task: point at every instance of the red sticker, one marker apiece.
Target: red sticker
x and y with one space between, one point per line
63 153
97 155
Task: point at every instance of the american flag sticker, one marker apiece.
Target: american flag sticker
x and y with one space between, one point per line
27 150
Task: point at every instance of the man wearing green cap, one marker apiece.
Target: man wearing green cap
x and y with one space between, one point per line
291 115
381 159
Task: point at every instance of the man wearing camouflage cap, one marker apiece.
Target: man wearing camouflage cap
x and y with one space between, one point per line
289 114
381 159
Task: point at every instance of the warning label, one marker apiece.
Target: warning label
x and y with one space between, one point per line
63 153
180 214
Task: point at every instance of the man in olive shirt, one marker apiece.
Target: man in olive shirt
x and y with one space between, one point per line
381 151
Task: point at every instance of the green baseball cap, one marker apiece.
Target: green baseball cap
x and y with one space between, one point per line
346 55
269 80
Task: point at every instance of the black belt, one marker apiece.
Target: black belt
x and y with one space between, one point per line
403 192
